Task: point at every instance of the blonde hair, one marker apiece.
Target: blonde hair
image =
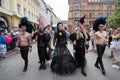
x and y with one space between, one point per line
81 33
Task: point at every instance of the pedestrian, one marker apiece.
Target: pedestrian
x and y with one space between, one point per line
91 39
3 47
100 41
116 43
62 62
24 41
111 31
79 38
43 46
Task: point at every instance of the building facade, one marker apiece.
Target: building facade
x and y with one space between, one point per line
51 17
11 11
47 16
91 8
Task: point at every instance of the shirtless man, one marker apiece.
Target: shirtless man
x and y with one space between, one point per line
100 41
25 44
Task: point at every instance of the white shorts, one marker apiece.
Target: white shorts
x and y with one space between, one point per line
3 49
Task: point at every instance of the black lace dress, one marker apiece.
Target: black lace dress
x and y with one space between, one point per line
62 62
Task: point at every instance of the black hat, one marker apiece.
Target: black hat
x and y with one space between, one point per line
25 22
82 19
99 20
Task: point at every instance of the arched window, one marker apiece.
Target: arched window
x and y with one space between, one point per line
3 23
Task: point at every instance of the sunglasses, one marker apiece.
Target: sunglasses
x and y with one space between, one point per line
101 26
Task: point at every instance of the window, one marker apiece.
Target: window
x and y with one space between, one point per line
30 2
82 0
100 14
109 7
24 12
92 7
83 7
29 13
92 15
32 16
76 7
76 15
78 0
100 7
108 14
18 8
91 22
47 10
74 0
89 0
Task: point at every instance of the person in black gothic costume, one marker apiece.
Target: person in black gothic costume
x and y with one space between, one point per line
79 38
43 46
62 62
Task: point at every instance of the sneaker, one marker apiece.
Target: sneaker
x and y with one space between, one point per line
84 73
114 66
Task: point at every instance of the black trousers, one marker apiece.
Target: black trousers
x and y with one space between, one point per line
100 51
24 54
42 54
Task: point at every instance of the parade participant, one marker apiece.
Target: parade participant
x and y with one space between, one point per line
24 40
62 62
100 40
79 38
43 40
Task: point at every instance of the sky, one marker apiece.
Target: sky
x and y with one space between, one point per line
60 8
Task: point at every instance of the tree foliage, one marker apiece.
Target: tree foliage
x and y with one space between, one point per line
114 20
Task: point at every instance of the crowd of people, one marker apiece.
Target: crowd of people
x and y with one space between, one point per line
83 39
8 39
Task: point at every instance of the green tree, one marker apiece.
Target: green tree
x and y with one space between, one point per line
114 20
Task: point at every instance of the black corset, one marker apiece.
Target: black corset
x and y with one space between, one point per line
80 42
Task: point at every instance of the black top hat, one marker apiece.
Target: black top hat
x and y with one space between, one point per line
82 19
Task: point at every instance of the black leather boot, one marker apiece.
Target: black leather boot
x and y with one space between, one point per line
84 73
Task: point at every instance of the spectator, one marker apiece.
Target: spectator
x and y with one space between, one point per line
3 48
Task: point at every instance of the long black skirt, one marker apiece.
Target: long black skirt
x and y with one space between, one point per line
63 62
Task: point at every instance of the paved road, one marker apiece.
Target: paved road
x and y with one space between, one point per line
11 68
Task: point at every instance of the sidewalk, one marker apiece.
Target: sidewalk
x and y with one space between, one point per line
10 54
